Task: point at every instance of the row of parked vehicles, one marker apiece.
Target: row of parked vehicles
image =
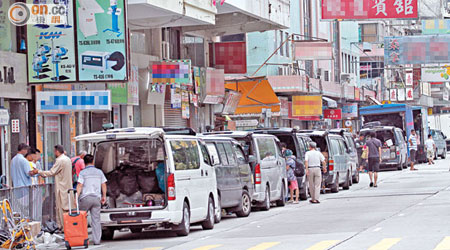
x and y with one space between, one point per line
167 178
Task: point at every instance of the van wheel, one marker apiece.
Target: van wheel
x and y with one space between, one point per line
246 205
209 222
346 185
107 234
218 216
399 167
335 187
136 230
185 226
356 177
282 201
266 202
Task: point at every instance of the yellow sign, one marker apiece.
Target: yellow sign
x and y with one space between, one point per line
307 105
430 111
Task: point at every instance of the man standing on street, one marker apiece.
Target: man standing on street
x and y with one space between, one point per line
62 170
431 148
92 191
374 146
20 167
313 162
77 165
412 148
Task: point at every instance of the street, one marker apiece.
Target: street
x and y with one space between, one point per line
408 210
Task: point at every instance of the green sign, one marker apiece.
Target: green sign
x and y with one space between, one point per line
5 26
101 40
51 51
119 93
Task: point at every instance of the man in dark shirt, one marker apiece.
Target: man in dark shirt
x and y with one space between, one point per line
374 146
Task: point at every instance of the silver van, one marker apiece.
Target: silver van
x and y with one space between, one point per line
267 163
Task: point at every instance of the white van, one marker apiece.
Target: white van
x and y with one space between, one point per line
155 181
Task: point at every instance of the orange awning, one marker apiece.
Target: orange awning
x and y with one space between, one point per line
256 95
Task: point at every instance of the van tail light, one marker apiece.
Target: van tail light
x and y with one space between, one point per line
330 165
171 187
397 149
258 174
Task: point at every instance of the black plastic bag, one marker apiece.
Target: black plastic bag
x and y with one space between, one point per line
148 183
50 227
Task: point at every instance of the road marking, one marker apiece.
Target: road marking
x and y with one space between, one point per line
152 248
444 244
401 215
264 246
377 229
207 247
323 245
385 244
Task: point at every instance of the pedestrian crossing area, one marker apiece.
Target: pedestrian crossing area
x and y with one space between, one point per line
383 244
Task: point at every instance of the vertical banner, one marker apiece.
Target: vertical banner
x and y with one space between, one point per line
393 94
409 94
5 26
185 114
101 40
401 95
51 49
133 86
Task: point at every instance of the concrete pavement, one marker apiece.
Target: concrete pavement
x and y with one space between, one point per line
408 210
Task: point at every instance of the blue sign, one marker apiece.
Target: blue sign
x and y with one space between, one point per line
350 110
65 101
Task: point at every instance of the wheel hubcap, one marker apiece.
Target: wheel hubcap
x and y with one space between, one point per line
267 199
211 212
245 204
186 218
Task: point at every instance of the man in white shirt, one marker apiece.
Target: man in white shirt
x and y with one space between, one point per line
431 148
313 162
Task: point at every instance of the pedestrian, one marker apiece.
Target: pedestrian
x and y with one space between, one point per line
92 191
62 171
413 148
293 184
431 148
30 156
313 162
38 162
283 149
362 152
374 158
20 167
77 165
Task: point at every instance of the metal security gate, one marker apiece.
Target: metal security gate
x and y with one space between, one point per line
172 117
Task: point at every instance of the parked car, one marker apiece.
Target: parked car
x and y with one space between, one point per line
339 169
155 180
267 163
296 142
352 152
394 152
441 145
233 173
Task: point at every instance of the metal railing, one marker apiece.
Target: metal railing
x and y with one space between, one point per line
36 202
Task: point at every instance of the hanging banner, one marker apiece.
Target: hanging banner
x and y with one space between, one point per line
215 86
185 114
133 86
171 72
369 9
409 94
313 50
393 94
284 111
65 101
437 26
350 110
436 74
307 105
101 40
401 95
5 27
231 102
333 114
51 48
429 49
425 88
409 79
175 97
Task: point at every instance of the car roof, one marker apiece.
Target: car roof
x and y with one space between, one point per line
314 132
229 133
379 128
210 138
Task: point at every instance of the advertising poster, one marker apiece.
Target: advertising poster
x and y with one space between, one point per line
5 26
350 110
307 105
51 50
119 93
101 40
436 74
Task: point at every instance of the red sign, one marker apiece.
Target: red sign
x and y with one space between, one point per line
333 114
230 56
369 9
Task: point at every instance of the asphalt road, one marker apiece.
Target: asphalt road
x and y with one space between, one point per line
408 210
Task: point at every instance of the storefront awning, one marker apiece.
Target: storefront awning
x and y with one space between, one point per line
256 95
330 102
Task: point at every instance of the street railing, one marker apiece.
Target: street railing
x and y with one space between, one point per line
36 202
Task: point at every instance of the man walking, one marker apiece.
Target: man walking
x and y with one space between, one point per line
62 170
20 167
431 148
78 164
92 190
374 146
413 148
313 162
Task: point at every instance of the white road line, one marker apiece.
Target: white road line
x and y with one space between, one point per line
377 229
401 215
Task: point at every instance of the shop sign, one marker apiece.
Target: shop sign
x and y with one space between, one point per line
15 126
409 94
357 94
436 74
215 82
409 79
52 124
133 86
284 112
350 110
213 99
425 88
4 117
231 102
246 123
171 72
185 112
193 98
401 95
307 105
430 49
119 93
65 101
231 56
175 97
333 114
436 26
393 94
369 9
313 50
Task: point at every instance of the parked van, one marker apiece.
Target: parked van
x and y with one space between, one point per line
334 149
155 180
441 145
296 142
394 153
268 166
233 173
352 152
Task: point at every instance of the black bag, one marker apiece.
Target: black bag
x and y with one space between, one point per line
299 170
148 183
128 183
113 187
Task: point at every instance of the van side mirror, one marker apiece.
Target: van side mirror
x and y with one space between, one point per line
251 159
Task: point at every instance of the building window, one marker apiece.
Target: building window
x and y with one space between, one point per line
281 43
287 45
307 19
276 40
369 32
326 76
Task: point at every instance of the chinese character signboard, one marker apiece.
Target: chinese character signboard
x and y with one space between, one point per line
231 56
101 40
437 26
393 94
369 9
133 86
307 105
58 101
436 74
350 110
401 95
171 72
417 49
313 50
409 94
409 79
333 114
